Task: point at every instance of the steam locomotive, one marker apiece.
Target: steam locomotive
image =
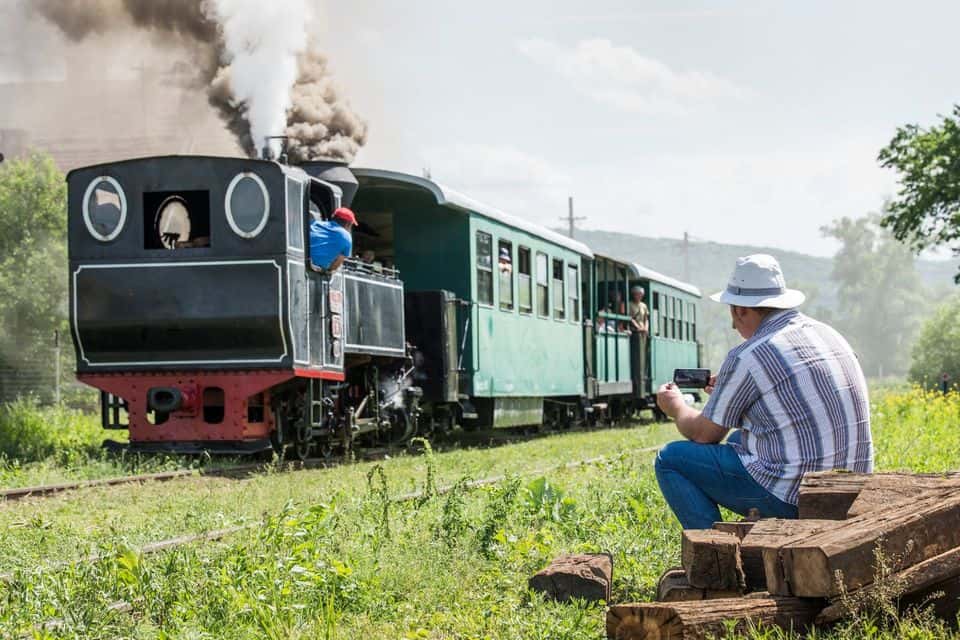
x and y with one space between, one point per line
196 313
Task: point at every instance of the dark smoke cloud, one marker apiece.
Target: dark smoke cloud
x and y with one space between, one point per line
319 122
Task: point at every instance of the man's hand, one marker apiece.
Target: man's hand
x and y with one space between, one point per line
690 423
670 400
710 385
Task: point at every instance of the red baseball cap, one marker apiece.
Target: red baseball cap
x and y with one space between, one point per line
345 214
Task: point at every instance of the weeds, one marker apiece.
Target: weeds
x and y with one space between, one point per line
379 493
453 520
340 559
500 502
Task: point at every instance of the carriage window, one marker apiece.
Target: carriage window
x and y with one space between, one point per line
655 315
525 280
573 276
484 268
104 208
176 219
674 321
559 295
543 285
667 318
294 214
505 267
693 322
681 320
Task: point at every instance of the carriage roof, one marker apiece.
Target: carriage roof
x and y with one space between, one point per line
447 197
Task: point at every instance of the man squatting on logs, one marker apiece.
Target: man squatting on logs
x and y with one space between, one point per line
792 398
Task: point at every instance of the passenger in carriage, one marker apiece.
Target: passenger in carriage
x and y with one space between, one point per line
330 240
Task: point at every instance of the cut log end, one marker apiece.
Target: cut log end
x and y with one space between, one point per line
712 560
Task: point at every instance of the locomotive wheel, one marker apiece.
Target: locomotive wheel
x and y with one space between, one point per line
302 449
325 450
278 438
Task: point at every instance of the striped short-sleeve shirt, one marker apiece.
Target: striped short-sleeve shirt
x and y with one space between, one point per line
796 391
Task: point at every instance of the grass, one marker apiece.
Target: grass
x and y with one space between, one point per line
334 559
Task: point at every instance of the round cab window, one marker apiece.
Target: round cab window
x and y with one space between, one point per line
247 205
104 208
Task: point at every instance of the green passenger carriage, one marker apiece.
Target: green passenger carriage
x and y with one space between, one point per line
532 337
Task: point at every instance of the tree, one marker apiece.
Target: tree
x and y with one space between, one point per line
926 211
880 293
33 263
937 350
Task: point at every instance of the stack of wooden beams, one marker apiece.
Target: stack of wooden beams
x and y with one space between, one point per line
815 570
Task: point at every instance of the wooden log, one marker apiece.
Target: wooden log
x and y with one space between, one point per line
712 560
585 576
917 583
886 489
759 551
695 620
739 529
845 554
827 495
673 586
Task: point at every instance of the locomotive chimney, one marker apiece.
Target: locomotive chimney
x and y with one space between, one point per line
334 172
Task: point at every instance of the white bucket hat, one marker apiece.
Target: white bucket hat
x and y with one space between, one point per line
757 281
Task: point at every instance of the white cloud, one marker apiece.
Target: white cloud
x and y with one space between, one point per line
621 77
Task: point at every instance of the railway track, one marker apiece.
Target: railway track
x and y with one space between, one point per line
50 490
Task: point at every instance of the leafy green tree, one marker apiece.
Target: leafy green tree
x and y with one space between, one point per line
937 350
926 211
33 262
880 292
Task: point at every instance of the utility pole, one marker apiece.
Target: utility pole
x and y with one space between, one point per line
570 219
686 256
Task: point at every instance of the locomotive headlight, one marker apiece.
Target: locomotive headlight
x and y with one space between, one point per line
104 208
247 204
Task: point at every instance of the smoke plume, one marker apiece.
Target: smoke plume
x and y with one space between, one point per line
261 71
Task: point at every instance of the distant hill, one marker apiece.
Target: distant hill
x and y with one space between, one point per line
710 263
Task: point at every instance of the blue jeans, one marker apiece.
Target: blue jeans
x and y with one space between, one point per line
696 478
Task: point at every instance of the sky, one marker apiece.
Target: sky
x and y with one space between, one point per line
736 121
751 122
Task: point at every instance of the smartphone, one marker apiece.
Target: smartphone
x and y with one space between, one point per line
691 378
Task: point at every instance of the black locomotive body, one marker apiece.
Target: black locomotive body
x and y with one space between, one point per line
195 311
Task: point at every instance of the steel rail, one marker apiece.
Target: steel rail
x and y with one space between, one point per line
46 491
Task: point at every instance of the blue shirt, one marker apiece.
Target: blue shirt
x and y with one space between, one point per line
796 391
328 240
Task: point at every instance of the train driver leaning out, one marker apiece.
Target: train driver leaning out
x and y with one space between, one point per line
330 240
792 398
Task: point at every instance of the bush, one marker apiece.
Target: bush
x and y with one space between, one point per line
937 350
29 432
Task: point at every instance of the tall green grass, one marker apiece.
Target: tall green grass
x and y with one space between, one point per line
335 558
30 433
